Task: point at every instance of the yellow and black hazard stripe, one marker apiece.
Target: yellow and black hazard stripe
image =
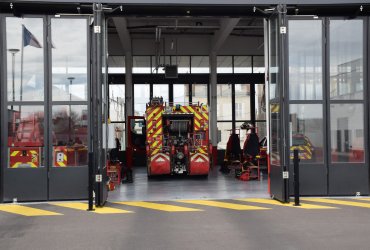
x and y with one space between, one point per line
60 156
305 152
30 159
200 116
154 129
275 108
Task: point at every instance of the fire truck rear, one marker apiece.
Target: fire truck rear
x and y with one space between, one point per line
177 138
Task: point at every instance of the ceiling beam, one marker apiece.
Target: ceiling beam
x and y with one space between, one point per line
123 33
220 36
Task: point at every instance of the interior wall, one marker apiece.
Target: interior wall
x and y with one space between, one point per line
188 45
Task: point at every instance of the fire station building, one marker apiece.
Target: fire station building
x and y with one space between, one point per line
77 76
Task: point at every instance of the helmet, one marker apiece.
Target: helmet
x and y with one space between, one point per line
247 126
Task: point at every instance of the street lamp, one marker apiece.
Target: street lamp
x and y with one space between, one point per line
71 78
13 52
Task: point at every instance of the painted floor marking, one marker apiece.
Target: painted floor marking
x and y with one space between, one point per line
158 206
83 207
338 202
278 203
362 199
26 211
222 204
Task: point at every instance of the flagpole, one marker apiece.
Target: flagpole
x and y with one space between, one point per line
21 90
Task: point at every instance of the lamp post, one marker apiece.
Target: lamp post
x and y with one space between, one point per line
71 78
13 52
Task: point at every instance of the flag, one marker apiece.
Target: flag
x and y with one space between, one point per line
29 38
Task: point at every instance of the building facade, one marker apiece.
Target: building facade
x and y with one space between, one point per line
312 83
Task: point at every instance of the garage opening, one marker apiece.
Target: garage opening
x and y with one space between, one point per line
187 106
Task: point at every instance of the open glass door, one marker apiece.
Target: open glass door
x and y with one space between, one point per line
104 122
275 41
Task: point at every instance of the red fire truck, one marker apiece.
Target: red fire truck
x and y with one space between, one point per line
177 138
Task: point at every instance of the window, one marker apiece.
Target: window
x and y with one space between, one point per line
181 93
141 98
200 93
242 64
69 59
25 71
120 132
183 63
116 65
224 64
224 103
258 64
347 133
162 61
242 102
346 60
200 64
306 126
224 129
117 102
161 90
260 102
141 65
26 136
70 127
305 60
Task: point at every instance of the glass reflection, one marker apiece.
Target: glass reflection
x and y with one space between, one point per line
69 59
305 59
307 132
346 59
347 133
242 102
275 134
25 59
26 136
69 135
117 102
274 86
273 59
141 98
224 102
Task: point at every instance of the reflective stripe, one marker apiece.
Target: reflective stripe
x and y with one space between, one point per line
14 153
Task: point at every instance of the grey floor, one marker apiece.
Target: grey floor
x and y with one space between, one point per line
280 228
216 186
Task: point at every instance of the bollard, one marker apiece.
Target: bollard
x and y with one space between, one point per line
91 182
296 177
